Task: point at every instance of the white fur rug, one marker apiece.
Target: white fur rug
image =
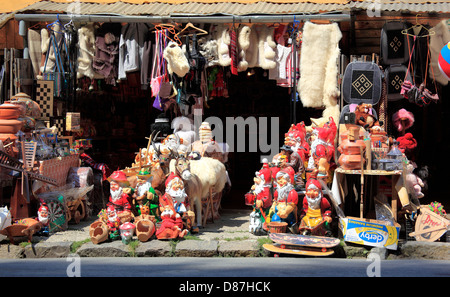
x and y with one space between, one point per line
318 84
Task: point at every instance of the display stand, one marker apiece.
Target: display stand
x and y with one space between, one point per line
396 174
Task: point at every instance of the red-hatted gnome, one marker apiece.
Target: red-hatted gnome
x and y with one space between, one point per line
315 216
261 193
175 195
284 206
172 225
120 196
322 148
43 219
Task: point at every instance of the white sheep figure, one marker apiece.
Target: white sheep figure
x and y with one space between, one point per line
199 176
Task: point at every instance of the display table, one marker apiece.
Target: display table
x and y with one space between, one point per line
339 181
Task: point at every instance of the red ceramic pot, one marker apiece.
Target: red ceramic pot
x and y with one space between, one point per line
9 111
10 126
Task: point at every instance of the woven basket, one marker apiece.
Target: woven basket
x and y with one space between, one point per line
277 227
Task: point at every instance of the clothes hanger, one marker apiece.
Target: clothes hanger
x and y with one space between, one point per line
168 28
190 26
418 27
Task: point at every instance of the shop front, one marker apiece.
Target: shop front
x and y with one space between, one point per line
324 119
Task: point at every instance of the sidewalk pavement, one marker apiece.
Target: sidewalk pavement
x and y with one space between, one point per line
228 236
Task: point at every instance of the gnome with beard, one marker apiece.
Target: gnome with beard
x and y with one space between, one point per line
284 207
145 199
120 196
316 210
175 194
43 219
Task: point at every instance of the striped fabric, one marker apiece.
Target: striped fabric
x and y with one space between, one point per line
233 51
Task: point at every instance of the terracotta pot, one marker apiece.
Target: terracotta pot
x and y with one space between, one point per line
4 136
98 231
9 111
348 147
350 162
145 230
10 126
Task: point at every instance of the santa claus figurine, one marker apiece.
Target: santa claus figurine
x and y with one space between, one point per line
284 207
316 209
43 219
120 195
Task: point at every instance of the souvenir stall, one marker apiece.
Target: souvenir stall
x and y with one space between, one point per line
127 92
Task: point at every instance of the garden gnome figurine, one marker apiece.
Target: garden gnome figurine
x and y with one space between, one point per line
145 199
284 207
262 194
316 208
120 195
43 219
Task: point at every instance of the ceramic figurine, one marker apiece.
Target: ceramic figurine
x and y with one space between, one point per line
315 216
296 138
145 199
261 193
171 225
113 222
284 206
43 219
127 232
294 160
322 148
120 195
175 196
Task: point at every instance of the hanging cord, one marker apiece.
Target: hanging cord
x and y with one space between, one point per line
411 51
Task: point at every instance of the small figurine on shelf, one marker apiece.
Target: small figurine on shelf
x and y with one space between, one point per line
284 206
315 216
43 219
262 197
120 195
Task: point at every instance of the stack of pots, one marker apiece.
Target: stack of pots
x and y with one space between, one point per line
351 148
9 121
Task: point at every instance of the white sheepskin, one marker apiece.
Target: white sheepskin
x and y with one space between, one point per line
223 45
243 45
318 85
266 47
176 60
86 44
251 54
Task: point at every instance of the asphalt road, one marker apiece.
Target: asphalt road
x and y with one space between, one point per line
221 267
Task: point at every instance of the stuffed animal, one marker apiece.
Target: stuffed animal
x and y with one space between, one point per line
364 117
414 183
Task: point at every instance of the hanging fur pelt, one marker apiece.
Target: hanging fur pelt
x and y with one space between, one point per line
318 84
243 45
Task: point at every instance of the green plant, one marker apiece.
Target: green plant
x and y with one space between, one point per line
132 247
76 245
261 241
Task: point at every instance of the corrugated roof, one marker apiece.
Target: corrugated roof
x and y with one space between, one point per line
210 7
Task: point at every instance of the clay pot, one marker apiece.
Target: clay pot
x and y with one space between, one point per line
4 136
350 162
98 231
9 111
10 126
145 230
349 147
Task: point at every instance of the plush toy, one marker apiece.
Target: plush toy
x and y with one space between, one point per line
407 144
414 183
364 117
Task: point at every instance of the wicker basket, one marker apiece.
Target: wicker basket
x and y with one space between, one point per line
277 227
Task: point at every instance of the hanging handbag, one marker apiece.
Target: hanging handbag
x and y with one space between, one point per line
197 63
